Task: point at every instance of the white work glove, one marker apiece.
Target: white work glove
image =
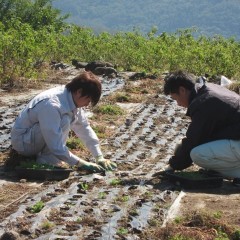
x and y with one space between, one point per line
106 163
93 167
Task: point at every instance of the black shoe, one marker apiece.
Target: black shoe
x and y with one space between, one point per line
236 182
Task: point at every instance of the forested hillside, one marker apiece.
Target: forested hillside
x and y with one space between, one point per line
209 16
35 33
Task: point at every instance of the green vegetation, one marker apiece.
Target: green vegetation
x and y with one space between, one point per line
109 109
38 13
102 195
28 44
217 214
122 231
37 207
124 198
34 165
84 186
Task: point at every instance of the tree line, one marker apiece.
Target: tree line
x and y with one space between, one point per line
29 41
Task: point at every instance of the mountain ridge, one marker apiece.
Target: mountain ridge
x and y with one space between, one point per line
215 17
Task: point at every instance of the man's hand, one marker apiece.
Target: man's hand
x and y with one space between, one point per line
106 164
93 167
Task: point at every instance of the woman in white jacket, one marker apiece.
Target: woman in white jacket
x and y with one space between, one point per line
42 128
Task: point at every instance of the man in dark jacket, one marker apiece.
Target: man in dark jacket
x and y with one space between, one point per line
212 139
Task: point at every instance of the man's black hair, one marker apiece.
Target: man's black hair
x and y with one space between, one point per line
178 79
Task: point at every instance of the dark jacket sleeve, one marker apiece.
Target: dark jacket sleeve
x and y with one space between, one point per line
199 131
182 159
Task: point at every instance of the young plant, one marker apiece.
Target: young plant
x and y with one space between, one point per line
122 231
102 195
37 207
84 186
34 165
115 182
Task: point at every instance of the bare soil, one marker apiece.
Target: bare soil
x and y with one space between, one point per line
133 202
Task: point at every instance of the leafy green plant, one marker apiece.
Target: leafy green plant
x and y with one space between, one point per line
34 165
37 207
217 214
178 220
102 195
122 231
79 220
124 198
84 186
115 182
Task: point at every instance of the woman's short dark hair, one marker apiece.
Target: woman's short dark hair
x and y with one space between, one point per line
178 79
89 84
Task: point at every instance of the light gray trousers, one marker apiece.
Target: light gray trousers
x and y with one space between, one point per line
37 147
222 156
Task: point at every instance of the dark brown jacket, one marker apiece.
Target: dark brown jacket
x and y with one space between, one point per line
215 114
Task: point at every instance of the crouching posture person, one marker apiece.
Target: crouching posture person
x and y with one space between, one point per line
42 128
212 139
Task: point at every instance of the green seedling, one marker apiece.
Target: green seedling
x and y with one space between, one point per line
178 220
37 207
217 214
122 198
102 195
84 186
122 231
115 182
34 165
79 220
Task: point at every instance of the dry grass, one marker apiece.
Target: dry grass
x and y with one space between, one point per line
195 226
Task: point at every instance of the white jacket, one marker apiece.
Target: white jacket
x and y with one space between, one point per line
48 109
